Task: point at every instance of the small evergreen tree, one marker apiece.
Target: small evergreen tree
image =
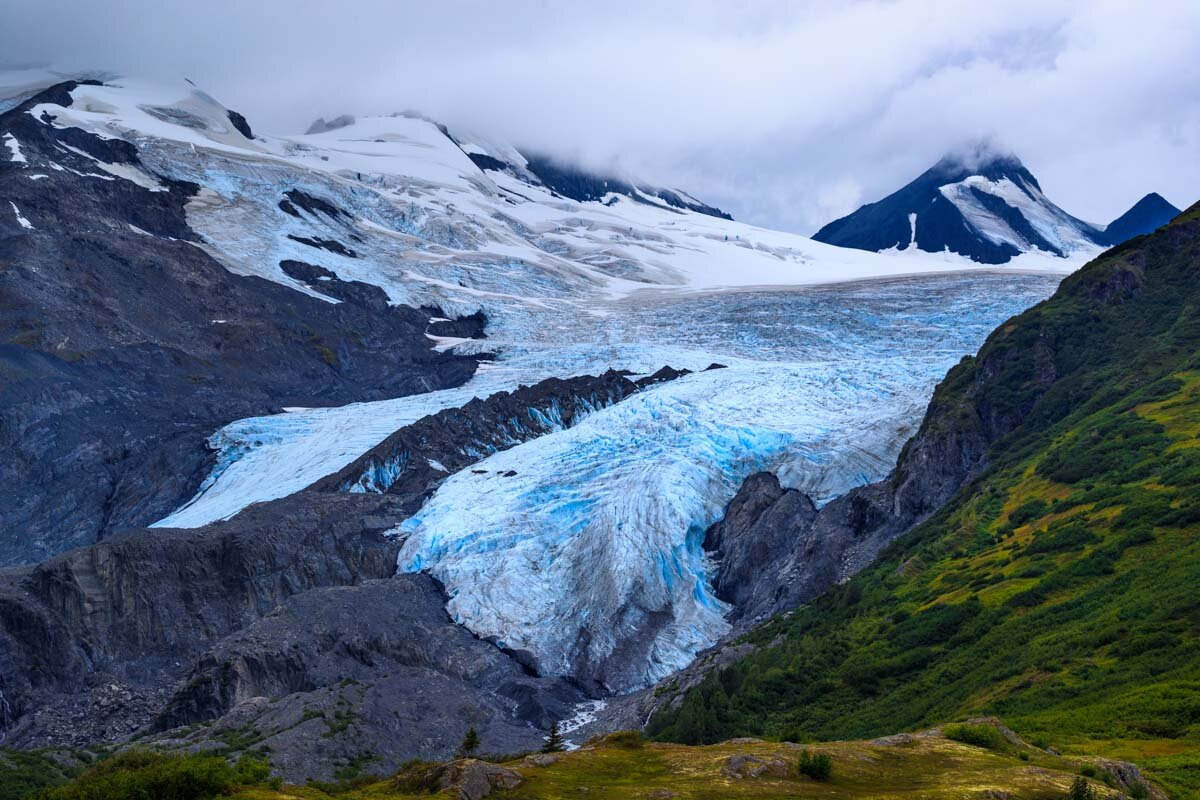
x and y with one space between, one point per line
554 742
817 766
470 743
1081 790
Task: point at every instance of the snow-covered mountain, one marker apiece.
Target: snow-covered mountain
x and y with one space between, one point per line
987 207
581 545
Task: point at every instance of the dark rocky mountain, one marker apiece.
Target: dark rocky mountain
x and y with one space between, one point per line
1145 216
580 184
124 345
985 206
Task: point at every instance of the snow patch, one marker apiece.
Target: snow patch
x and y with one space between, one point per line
14 148
24 223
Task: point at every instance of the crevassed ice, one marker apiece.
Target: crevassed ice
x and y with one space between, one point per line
601 526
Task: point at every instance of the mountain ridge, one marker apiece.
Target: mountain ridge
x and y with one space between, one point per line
985 205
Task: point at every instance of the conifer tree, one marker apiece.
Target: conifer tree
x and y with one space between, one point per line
554 742
470 743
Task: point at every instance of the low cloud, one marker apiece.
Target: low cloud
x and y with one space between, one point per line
787 114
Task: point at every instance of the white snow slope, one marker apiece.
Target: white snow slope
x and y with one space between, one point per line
600 529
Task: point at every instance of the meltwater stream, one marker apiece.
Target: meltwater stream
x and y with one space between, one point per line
583 547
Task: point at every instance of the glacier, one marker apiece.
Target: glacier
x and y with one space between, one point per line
588 557
595 539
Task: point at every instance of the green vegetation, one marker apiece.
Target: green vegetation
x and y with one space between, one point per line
146 775
624 767
979 735
470 743
554 742
818 766
21 772
1057 591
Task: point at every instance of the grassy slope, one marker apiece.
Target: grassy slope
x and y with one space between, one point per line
929 767
1061 590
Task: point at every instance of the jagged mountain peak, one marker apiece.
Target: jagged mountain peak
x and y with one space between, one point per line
982 160
982 202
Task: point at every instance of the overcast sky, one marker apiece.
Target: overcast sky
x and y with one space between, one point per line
786 114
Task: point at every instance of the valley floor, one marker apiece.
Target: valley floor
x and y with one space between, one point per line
980 760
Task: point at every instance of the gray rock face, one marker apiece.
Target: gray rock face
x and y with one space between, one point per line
377 666
135 610
123 344
756 534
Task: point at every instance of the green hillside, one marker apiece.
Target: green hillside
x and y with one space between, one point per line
1060 590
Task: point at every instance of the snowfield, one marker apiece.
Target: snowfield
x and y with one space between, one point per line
830 355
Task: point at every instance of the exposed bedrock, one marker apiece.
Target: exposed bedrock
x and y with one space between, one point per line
378 666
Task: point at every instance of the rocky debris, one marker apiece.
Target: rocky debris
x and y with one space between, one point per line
136 609
379 663
1129 776
124 345
541 759
743 765
474 780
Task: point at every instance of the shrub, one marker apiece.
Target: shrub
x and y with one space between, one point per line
140 774
417 777
1081 790
817 766
22 772
978 735
1028 512
1071 536
628 739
